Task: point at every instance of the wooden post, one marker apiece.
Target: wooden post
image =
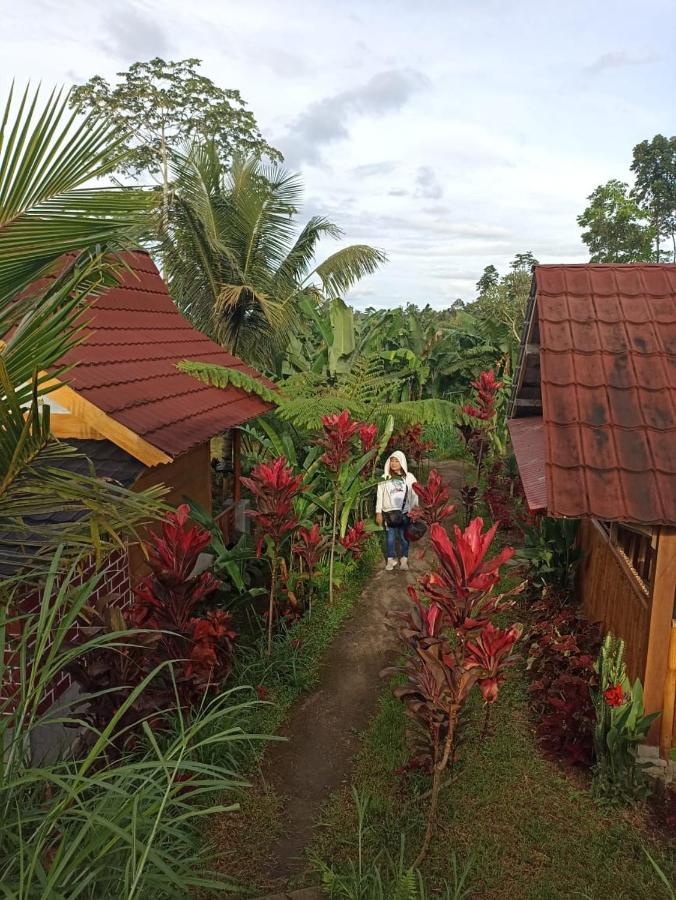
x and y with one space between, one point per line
236 464
668 723
659 636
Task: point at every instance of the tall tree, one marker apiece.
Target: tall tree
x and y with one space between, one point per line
237 259
654 167
489 279
162 106
616 230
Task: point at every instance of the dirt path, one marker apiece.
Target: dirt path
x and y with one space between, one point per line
323 730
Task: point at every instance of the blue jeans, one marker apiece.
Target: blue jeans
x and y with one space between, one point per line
391 535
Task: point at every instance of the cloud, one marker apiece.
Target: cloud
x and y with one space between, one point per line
132 33
370 169
618 59
326 121
428 185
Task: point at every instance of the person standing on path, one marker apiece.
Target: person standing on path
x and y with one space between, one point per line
396 498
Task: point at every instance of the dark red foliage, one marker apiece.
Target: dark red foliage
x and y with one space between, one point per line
497 495
310 545
563 649
274 487
486 388
355 539
367 437
167 598
490 653
433 498
468 496
338 439
411 443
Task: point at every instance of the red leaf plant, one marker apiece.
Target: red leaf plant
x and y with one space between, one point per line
274 487
367 436
561 656
310 546
411 443
338 439
166 600
355 539
453 646
434 506
486 390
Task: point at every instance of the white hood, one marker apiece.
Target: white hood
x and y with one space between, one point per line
402 462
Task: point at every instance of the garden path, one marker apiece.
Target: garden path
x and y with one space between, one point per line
323 730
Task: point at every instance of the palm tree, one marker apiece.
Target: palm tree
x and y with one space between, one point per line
237 265
47 159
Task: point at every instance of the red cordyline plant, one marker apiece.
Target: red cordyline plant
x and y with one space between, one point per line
166 600
486 391
454 645
310 546
274 487
355 539
433 496
410 441
340 433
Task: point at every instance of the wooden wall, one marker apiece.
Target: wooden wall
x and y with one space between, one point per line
189 475
611 594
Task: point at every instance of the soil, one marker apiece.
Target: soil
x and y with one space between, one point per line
323 730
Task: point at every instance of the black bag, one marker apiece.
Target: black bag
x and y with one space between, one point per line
415 531
394 518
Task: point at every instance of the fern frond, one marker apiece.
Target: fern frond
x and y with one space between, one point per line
427 412
223 377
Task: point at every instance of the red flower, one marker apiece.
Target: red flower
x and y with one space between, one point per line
274 486
490 654
463 564
339 432
262 692
434 505
355 539
367 436
614 695
310 545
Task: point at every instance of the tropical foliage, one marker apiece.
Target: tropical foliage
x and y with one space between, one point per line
237 261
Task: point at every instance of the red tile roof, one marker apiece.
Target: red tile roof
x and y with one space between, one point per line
528 442
608 380
127 366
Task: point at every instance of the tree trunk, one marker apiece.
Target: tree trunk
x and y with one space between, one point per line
439 767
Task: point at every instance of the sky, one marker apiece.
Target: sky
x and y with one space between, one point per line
452 134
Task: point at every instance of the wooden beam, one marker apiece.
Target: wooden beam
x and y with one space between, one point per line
668 722
236 464
84 413
526 401
659 635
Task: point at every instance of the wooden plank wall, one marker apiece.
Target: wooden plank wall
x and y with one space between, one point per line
189 475
611 595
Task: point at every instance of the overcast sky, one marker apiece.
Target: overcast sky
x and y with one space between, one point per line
450 133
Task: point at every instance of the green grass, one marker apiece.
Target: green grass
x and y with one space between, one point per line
533 832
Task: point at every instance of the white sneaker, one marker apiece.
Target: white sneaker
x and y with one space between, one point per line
391 564
403 563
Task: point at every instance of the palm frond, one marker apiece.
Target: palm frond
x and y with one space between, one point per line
343 269
47 156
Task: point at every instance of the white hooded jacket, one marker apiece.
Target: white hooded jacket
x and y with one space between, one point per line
387 499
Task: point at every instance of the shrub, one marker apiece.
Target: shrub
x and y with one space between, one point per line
100 826
550 547
561 656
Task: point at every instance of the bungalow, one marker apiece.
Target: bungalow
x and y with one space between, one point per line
592 417
137 419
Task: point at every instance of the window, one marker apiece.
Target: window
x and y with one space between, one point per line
637 544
